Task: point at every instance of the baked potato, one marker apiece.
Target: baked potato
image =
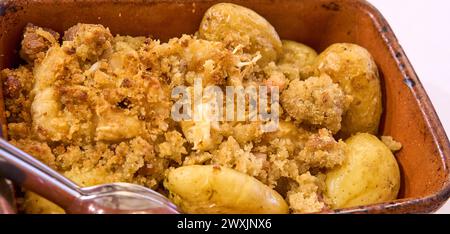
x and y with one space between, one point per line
353 68
369 175
296 59
239 26
215 189
36 204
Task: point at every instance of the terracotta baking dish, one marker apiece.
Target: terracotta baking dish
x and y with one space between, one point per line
408 114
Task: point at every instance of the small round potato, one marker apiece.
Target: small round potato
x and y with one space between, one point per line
236 25
215 189
35 204
297 57
369 175
354 69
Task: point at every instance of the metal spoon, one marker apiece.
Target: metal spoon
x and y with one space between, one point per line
114 198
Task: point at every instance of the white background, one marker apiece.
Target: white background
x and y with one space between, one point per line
423 29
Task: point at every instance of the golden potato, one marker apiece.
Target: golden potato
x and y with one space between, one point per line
215 189
236 25
36 204
296 59
354 69
369 175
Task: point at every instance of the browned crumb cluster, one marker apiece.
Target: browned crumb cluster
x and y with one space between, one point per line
96 108
317 101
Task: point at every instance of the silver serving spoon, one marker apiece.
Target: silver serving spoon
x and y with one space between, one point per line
114 198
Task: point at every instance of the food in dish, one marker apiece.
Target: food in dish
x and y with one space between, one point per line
368 175
216 189
353 68
97 108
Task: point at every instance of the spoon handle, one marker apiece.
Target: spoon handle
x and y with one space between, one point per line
30 173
